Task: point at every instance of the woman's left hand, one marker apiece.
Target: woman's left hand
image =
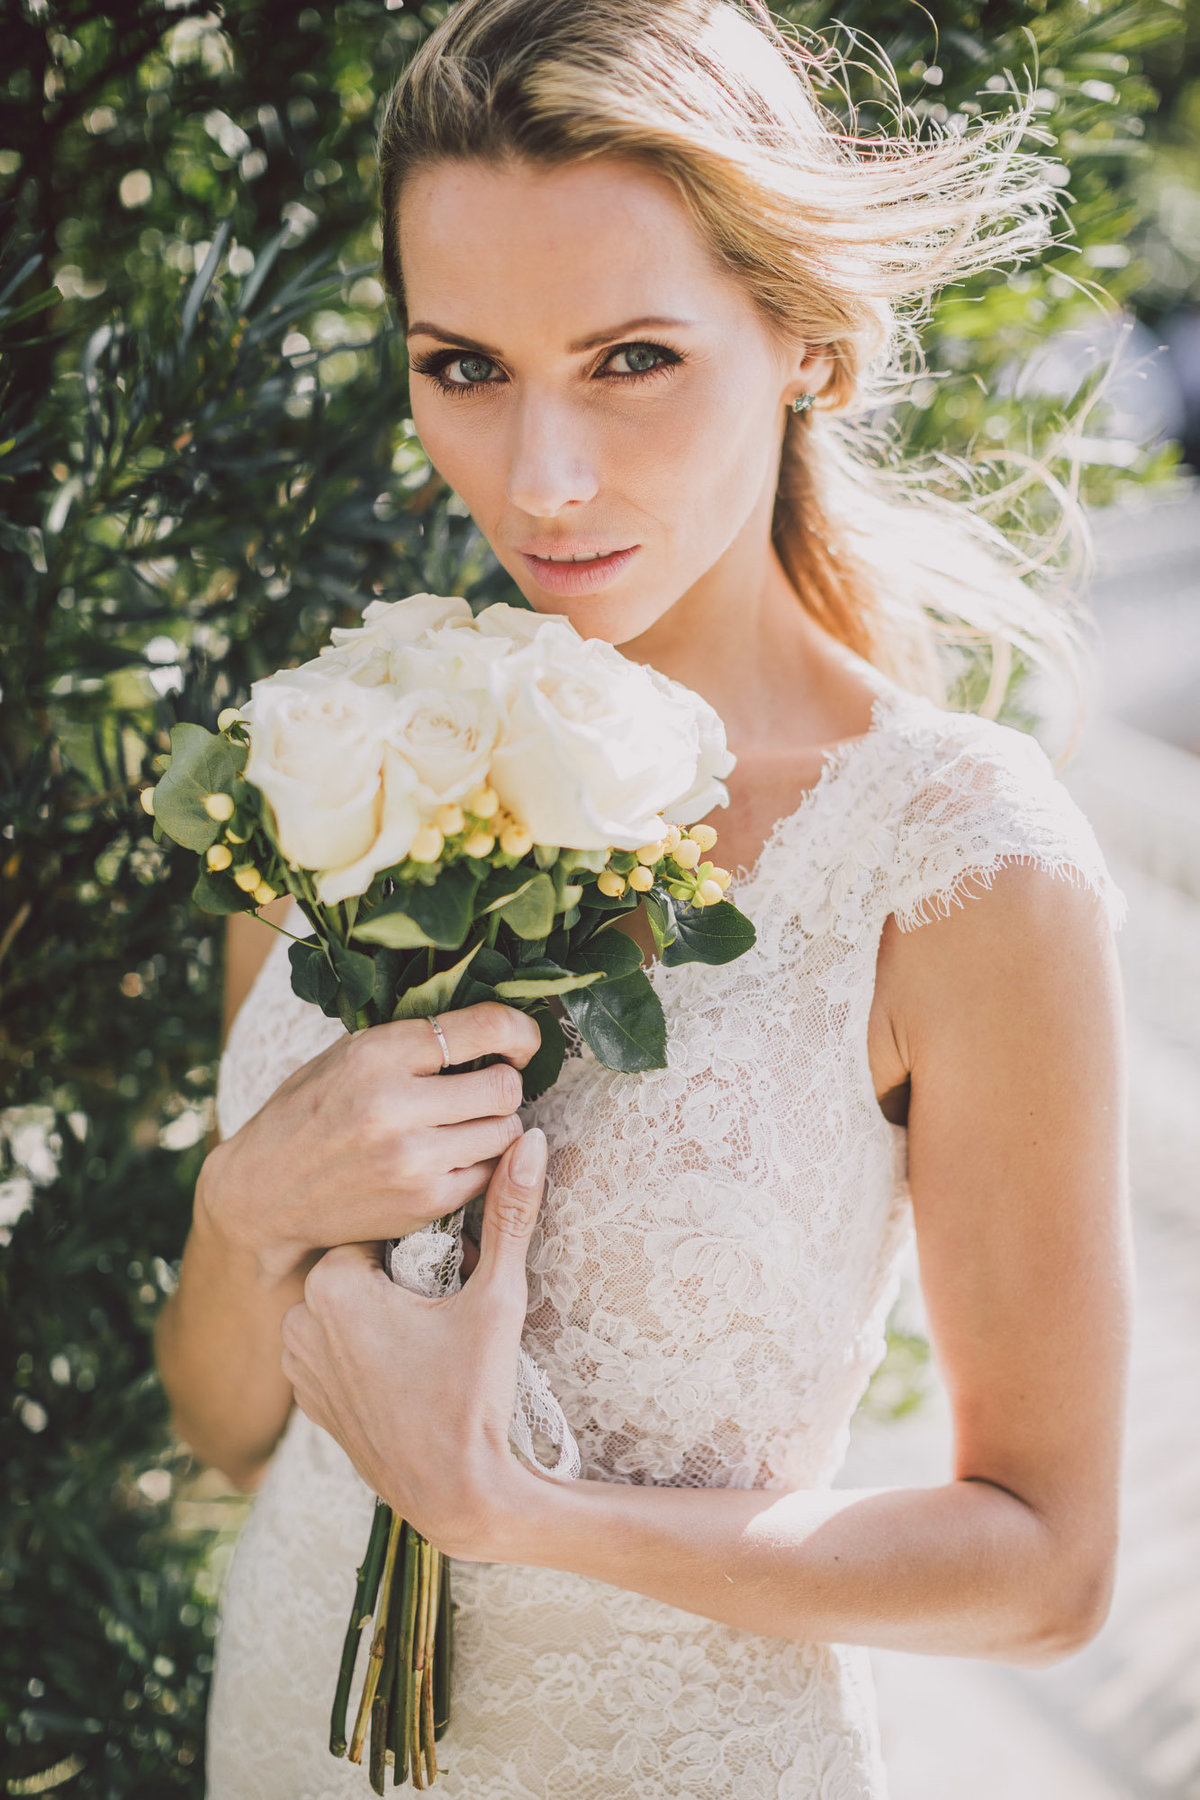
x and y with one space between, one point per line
418 1392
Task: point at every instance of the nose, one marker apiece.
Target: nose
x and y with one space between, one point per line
552 464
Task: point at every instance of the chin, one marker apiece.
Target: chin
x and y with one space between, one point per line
618 620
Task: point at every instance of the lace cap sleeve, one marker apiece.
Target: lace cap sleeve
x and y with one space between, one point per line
985 794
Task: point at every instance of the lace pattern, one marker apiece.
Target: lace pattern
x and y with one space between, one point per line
713 1266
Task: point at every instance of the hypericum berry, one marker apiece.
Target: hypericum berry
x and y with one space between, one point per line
641 879
721 875
704 835
516 840
234 837
650 853
709 892
687 853
484 802
247 877
227 717
449 819
610 883
427 845
146 800
480 843
219 807
218 856
673 836
264 893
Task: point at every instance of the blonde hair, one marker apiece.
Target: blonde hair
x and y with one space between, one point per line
840 238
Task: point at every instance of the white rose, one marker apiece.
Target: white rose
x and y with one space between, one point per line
714 758
446 734
399 818
595 751
317 752
369 653
514 624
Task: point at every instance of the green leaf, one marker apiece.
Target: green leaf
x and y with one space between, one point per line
545 1065
435 995
709 934
661 915
538 980
502 885
201 764
621 1017
217 894
491 965
530 913
622 1021
440 914
313 978
355 973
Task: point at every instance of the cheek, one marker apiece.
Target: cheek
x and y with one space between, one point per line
460 439
702 469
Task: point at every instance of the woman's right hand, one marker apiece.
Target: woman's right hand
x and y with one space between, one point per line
370 1140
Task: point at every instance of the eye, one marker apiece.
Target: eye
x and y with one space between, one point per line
642 359
475 369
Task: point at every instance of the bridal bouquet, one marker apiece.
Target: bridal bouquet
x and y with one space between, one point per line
464 806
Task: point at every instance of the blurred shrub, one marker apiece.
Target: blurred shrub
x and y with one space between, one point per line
205 459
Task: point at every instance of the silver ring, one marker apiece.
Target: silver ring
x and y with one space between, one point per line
441 1038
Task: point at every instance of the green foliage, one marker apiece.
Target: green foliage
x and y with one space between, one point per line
205 461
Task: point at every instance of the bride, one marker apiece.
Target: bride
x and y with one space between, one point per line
644 281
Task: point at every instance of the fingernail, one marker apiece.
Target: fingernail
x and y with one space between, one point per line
526 1165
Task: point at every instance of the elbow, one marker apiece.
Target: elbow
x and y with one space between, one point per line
1083 1600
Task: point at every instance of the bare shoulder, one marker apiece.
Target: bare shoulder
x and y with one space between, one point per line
1028 949
247 944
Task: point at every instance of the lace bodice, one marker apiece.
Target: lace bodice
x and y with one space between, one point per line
709 1281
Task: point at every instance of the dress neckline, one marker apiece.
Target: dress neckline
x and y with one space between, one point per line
836 758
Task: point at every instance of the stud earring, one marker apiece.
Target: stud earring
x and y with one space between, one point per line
802 402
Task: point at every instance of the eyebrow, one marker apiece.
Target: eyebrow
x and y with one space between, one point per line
422 328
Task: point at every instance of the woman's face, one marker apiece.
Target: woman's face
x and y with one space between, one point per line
589 379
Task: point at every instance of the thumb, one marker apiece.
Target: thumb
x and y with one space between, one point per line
510 1206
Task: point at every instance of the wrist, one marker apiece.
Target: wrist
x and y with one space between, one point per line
219 1222
525 1519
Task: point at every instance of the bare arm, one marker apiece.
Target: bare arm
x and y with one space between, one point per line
217 1337
1008 1016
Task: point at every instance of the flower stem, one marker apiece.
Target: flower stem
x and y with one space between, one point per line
401 1708
442 1650
375 1663
365 1591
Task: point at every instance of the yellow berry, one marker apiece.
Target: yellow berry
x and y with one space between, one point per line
484 802
709 892
516 840
449 819
704 835
247 877
480 843
673 836
227 717
219 807
641 879
687 853
146 798
610 883
264 893
722 876
218 856
650 853
234 837
426 846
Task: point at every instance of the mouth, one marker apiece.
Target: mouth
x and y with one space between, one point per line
576 569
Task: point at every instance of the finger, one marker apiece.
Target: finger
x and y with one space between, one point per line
441 1147
510 1208
451 1191
489 1028
342 1275
481 1094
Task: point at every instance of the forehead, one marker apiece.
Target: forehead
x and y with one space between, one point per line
486 245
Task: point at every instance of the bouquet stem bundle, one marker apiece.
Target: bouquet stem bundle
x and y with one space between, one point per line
404 1584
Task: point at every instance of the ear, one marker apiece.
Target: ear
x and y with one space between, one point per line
809 374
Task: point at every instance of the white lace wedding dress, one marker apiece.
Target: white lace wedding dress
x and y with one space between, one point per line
714 1264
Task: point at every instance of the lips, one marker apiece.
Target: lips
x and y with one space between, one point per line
572 577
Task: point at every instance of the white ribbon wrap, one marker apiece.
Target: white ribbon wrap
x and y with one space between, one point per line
429 1262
